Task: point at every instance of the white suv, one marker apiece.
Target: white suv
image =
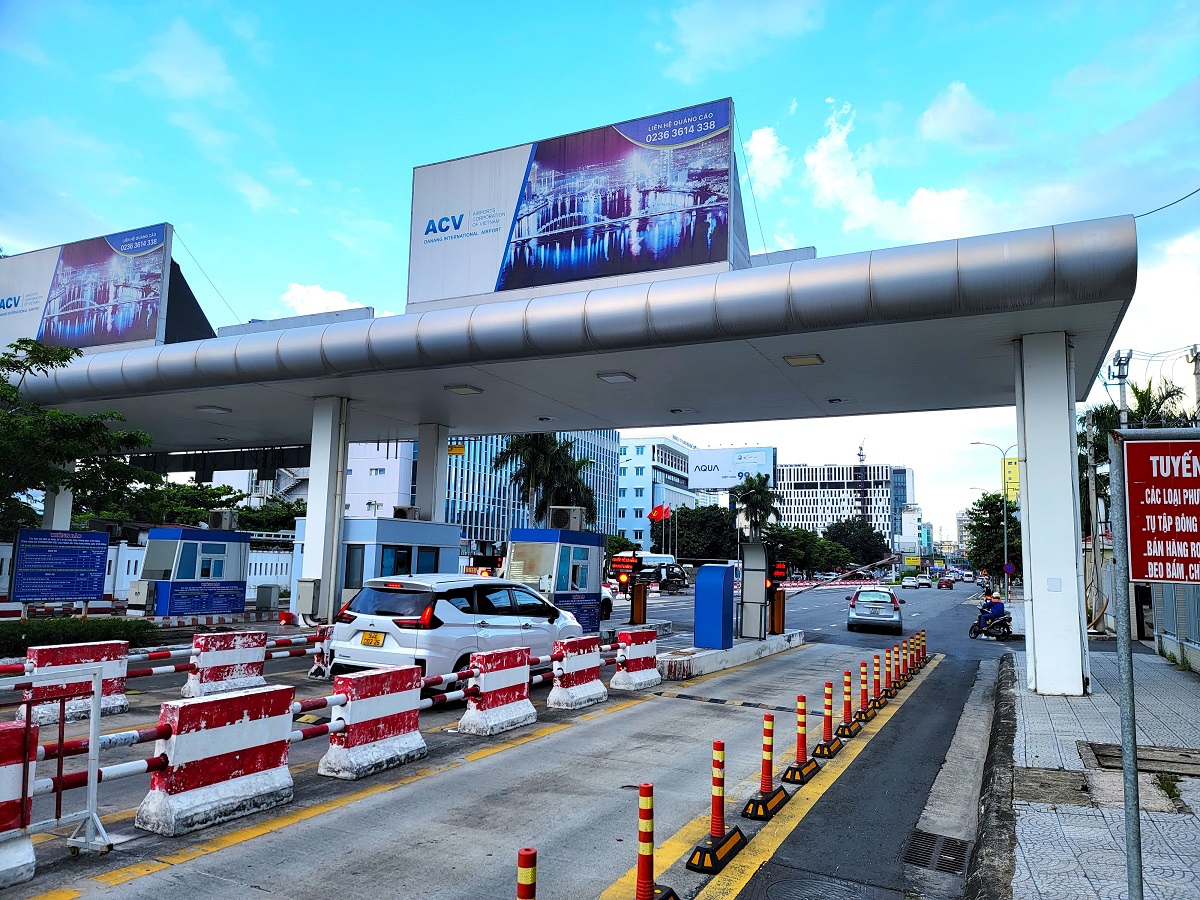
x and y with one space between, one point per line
437 621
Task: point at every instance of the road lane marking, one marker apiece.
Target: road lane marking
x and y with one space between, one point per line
137 870
58 894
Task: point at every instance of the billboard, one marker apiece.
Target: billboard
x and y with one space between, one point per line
58 566
648 194
105 290
728 467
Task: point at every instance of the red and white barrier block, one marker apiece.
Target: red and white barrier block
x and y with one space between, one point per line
502 701
16 852
227 757
232 661
577 677
111 656
322 666
381 729
640 667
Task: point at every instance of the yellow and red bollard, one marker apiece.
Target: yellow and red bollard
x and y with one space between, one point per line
645 888
849 727
905 674
722 844
527 873
804 768
769 799
878 701
865 712
830 744
923 649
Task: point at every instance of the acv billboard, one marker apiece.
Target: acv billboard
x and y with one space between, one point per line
104 290
643 195
728 467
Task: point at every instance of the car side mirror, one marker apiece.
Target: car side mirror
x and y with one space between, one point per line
848 597
902 600
553 617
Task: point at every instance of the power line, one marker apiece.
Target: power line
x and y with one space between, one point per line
761 234
236 317
1172 203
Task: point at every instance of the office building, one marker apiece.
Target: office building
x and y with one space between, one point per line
812 497
653 471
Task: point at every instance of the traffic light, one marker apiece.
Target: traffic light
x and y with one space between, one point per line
623 581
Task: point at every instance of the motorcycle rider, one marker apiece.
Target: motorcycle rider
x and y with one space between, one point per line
991 610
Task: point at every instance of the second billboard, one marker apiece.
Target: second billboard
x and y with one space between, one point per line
643 195
727 468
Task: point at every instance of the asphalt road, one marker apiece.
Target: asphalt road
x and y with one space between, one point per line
449 826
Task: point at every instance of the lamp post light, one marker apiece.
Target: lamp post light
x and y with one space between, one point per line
1003 504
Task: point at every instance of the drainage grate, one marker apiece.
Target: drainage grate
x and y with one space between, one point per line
937 852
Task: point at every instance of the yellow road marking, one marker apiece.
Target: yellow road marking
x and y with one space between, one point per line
737 874
137 870
665 856
58 894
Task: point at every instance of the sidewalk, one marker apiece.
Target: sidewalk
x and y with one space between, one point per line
1070 835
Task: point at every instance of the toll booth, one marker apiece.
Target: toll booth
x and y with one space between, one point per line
564 566
195 571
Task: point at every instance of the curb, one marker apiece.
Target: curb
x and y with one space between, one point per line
993 860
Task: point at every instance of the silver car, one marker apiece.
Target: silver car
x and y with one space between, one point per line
437 622
875 607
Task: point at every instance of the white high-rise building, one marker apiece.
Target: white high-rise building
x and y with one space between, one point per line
652 471
812 497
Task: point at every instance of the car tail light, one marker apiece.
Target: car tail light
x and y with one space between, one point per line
427 620
344 616
895 602
853 598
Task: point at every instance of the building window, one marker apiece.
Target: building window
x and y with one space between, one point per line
355 557
621 513
640 451
349 471
638 492
624 450
624 533
621 492
638 512
637 534
623 471
639 470
378 471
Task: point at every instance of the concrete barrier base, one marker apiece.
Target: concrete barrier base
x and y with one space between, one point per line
636 681
17 862
680 665
577 697
175 814
77 710
486 722
352 763
608 633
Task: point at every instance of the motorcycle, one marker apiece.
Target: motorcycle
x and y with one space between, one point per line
999 628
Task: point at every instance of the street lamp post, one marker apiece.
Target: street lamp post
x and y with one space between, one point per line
1003 504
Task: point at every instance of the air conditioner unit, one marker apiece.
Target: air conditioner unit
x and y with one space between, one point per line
223 519
406 512
568 518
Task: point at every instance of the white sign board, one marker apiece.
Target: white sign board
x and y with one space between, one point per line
728 467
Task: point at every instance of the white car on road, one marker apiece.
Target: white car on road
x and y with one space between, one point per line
437 622
908 581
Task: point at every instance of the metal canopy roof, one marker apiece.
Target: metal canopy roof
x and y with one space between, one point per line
913 328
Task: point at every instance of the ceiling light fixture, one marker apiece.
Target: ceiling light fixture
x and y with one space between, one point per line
805 359
215 410
680 410
465 390
546 418
616 377
839 400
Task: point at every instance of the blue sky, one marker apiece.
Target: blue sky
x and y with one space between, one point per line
280 141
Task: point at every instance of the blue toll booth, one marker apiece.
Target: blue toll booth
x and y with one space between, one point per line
197 571
714 606
564 566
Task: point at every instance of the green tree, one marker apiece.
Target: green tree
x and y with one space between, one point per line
704 532
173 503
546 474
830 555
796 547
50 450
564 484
985 534
866 545
757 502
274 515
1152 407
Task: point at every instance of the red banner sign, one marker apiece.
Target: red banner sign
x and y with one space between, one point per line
1162 504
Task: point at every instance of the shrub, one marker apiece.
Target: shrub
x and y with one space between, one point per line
17 637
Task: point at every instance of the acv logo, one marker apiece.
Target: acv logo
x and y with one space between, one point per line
444 224
706 467
9 302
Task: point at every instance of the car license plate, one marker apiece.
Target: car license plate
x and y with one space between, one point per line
372 638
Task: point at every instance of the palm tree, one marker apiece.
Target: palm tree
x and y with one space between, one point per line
546 474
757 502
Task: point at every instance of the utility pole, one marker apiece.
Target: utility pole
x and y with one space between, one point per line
1093 513
1194 358
1119 371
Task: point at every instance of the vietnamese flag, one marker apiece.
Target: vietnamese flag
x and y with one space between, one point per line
657 514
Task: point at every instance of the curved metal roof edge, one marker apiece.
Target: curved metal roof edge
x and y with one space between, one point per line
1072 264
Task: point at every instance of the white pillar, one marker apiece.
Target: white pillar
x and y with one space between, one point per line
1051 541
57 507
326 489
433 460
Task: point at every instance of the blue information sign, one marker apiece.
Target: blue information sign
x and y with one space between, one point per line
192 598
59 566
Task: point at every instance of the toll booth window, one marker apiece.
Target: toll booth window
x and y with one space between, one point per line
562 580
160 559
395 561
355 558
579 569
427 559
187 561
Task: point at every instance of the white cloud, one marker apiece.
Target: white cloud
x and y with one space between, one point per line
306 299
715 36
839 180
792 107
257 194
185 66
957 117
203 133
767 160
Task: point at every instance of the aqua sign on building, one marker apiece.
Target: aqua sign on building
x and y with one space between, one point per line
645 195
728 467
